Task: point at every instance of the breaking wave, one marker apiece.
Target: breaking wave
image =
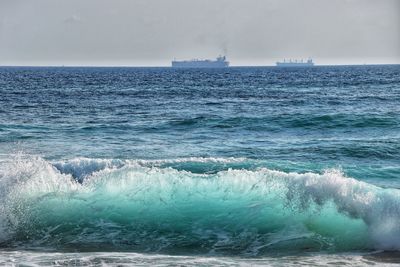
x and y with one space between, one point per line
222 207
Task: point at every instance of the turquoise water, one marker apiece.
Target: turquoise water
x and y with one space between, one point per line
246 165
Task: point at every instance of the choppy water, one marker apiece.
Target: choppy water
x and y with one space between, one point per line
259 166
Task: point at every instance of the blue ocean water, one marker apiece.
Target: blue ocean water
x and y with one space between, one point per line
212 166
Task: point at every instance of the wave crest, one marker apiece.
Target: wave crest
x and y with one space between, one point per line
147 206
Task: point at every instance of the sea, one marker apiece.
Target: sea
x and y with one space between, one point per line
240 166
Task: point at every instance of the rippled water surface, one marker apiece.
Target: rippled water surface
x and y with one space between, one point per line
220 166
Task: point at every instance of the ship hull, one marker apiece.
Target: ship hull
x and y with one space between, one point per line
199 64
283 64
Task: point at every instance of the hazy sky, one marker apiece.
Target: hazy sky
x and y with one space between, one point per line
152 32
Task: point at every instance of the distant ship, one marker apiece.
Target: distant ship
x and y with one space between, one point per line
220 62
295 63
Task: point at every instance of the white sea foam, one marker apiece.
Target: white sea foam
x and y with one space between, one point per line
242 193
11 258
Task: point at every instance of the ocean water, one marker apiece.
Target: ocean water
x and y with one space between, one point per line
237 166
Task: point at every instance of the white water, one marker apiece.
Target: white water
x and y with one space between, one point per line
330 207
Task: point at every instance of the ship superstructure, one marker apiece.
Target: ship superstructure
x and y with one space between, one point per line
219 62
295 63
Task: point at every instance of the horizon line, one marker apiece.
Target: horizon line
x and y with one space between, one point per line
169 66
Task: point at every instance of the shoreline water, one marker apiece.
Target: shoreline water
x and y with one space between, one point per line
127 259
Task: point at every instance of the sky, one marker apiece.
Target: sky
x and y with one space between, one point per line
153 32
